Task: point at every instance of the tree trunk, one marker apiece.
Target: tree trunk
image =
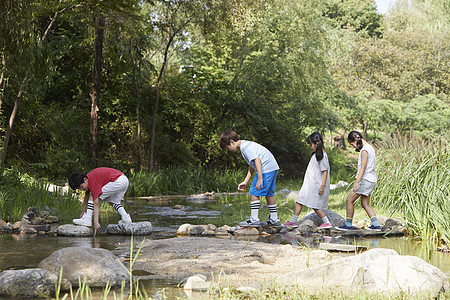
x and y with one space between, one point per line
10 125
158 96
158 91
95 93
18 99
138 118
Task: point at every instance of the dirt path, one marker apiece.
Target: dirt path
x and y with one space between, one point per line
236 261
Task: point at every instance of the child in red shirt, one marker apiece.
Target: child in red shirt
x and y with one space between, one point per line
104 184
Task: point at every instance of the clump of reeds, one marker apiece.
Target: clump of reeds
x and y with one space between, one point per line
183 180
18 192
414 179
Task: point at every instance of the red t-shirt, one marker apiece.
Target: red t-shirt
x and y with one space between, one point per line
99 177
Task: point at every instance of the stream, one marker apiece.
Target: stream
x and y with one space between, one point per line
22 251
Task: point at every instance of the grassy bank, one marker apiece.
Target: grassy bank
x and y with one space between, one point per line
414 181
19 191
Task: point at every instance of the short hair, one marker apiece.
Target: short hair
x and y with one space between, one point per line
76 179
226 138
355 136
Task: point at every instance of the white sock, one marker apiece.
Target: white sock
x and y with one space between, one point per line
273 212
325 220
89 209
254 206
120 209
294 218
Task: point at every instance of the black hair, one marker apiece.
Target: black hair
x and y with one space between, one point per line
313 138
226 138
355 136
76 179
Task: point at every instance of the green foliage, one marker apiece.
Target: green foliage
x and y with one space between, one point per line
414 180
359 15
179 180
19 191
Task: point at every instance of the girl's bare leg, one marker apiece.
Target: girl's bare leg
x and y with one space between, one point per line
365 204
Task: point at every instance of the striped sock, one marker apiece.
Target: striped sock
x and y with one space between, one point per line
90 209
273 212
120 209
254 206
375 221
349 222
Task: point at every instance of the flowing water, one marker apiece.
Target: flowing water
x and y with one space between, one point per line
166 215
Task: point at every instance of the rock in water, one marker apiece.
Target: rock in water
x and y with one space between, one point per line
95 265
74 230
135 228
29 283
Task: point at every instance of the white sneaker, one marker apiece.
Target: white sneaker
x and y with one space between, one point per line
125 220
83 221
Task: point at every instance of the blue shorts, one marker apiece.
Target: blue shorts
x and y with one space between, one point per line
268 188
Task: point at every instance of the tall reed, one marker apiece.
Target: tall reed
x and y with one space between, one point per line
18 192
182 180
414 179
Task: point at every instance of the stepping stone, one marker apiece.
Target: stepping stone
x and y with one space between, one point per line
341 247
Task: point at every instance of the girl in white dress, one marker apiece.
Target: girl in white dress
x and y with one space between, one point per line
316 184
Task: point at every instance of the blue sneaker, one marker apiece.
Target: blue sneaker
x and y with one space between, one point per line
373 227
346 228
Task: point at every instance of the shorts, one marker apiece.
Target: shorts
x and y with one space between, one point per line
268 188
366 187
114 191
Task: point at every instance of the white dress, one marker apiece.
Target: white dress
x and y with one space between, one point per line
309 193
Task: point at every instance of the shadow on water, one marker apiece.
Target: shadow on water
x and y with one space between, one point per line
166 215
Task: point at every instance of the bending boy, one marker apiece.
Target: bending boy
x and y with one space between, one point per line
104 184
264 163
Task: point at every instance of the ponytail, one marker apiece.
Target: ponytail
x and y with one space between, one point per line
355 136
315 137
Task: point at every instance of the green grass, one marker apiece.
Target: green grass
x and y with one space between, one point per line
414 181
19 191
181 180
274 291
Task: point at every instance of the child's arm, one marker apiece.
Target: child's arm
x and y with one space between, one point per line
324 182
258 166
96 211
243 184
364 158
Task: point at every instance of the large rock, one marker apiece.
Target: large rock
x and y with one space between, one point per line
29 283
377 270
136 228
74 230
98 266
335 219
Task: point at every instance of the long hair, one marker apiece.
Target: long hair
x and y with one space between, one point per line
315 137
355 136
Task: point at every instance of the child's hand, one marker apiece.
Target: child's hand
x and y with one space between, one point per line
259 184
241 186
96 227
321 190
355 187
